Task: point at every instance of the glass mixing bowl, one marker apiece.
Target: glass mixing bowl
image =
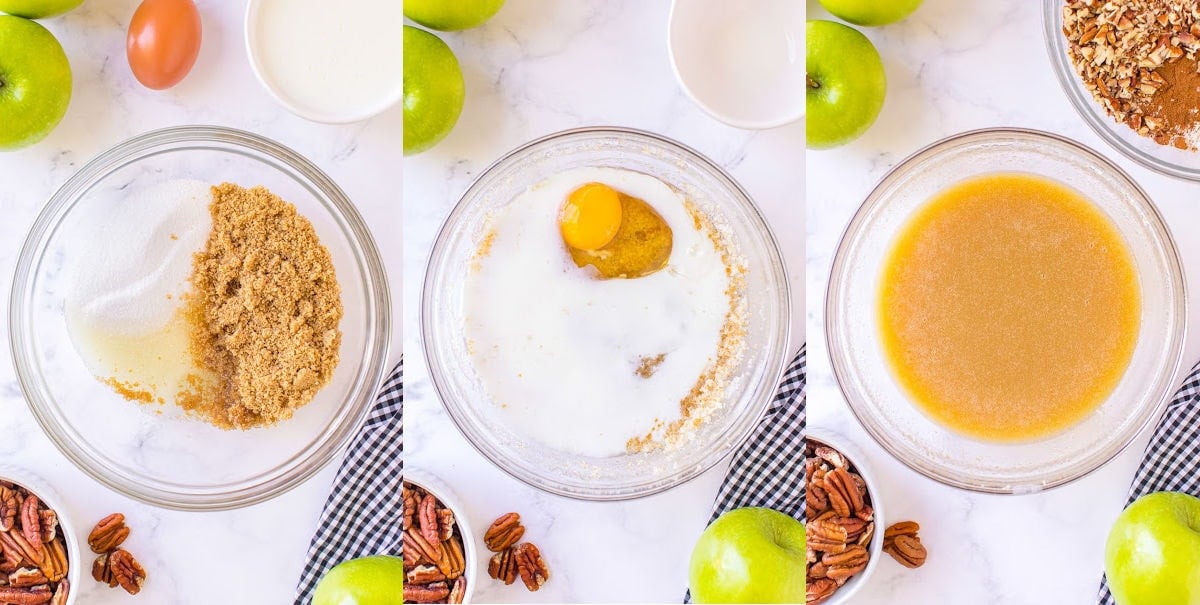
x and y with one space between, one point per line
154 453
884 409
466 398
1164 159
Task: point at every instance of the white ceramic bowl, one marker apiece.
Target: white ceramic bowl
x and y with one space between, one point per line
857 460
447 496
742 62
321 21
76 559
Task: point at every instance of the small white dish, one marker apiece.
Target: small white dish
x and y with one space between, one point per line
335 65
66 527
450 499
856 458
742 62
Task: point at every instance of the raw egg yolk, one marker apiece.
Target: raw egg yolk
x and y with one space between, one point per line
591 217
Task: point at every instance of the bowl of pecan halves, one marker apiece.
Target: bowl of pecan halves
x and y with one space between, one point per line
845 527
439 545
39 554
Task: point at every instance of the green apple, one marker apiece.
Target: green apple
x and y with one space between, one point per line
749 555
35 82
846 84
451 15
871 12
1153 552
38 9
434 90
376 580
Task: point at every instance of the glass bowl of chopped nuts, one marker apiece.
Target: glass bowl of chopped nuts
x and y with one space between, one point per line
60 569
1141 98
848 542
439 579
193 240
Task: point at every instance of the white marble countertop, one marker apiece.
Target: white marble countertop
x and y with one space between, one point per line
536 68
957 66
247 556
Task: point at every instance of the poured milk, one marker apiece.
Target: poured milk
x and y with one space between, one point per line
558 349
125 308
332 60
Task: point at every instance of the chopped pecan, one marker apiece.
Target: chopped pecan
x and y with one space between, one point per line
31 522
530 566
26 576
109 534
503 567
126 571
424 574
426 593
62 593
907 550
504 532
458 592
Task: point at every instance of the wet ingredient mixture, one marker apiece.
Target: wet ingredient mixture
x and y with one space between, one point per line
1009 307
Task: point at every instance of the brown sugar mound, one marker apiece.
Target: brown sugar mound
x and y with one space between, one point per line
265 307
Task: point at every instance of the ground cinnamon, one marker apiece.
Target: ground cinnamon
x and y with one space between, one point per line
1178 104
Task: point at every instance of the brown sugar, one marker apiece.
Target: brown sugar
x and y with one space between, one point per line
265 308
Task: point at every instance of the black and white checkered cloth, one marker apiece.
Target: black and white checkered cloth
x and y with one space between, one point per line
768 470
364 512
1172 460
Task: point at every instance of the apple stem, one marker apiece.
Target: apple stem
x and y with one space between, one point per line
811 82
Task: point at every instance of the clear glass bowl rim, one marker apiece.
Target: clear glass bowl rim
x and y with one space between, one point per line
435 371
355 405
1165 383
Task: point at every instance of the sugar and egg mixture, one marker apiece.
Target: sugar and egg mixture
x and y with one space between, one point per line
604 312
1009 307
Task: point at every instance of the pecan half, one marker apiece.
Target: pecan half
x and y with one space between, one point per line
424 574
31 522
504 532
26 576
49 525
503 567
102 572
9 503
126 571
458 592
36 595
844 496
426 593
62 593
907 550
430 551
30 553
427 519
453 561
842 566
54 564
530 565
445 524
109 534
819 591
